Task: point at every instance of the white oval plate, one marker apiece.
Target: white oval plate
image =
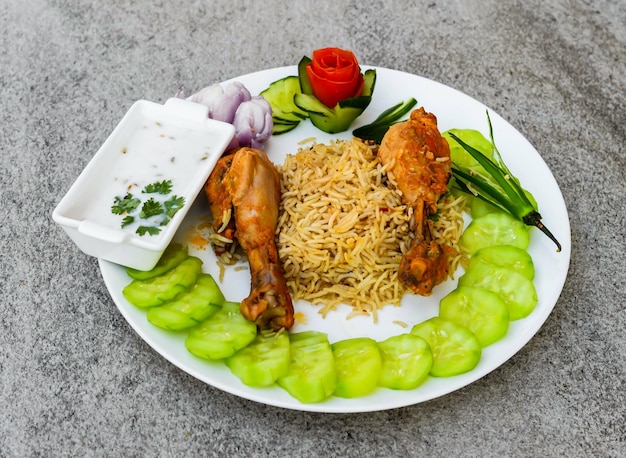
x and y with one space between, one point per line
453 110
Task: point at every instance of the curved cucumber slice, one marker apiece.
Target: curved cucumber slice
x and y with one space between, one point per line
479 310
173 255
280 95
283 128
455 348
478 207
202 300
311 376
507 256
497 228
358 365
166 287
223 334
263 361
517 291
472 137
406 359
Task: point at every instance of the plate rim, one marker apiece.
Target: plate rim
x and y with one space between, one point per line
360 405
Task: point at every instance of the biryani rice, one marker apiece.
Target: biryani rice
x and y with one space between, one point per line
342 231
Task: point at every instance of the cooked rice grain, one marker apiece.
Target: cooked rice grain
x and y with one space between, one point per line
342 232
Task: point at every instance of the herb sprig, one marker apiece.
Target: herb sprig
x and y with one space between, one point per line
133 208
125 204
158 187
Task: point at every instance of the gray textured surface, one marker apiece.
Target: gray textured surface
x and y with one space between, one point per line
74 377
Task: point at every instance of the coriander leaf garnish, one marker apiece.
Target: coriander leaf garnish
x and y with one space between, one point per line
135 209
158 187
150 230
128 220
151 208
125 204
173 204
434 217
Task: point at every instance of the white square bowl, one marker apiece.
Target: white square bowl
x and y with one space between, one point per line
153 142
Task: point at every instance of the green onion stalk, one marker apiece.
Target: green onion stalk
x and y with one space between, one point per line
498 186
376 130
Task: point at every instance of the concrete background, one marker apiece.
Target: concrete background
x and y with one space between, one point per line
76 380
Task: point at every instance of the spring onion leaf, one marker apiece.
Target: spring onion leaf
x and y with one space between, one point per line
376 130
497 185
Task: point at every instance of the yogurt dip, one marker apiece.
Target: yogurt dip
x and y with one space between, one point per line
174 143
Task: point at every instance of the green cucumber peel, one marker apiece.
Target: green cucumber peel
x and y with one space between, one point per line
305 85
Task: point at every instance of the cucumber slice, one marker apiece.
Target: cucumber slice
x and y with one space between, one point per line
406 362
331 120
285 120
476 139
507 256
517 291
172 256
280 95
305 84
166 287
481 311
494 229
263 361
311 376
311 105
479 207
455 348
202 300
223 334
358 363
284 128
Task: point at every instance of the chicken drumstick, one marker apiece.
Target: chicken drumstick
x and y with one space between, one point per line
244 194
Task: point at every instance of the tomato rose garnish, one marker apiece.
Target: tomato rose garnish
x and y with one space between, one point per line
335 75
330 90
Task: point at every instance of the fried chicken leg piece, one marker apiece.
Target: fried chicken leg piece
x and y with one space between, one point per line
419 159
244 194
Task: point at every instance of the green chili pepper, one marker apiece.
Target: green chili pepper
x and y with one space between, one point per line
499 186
